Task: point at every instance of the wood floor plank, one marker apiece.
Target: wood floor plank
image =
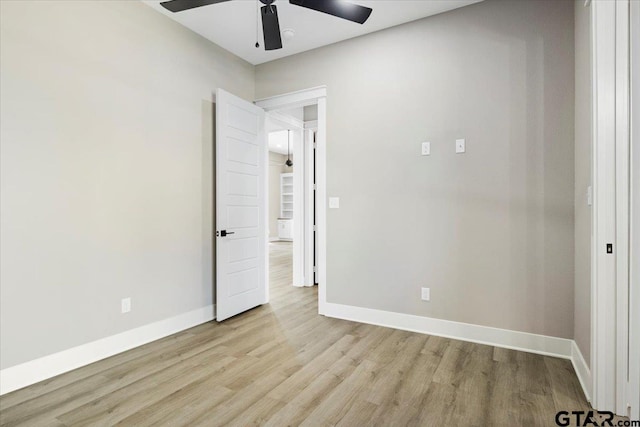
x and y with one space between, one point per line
472 388
20 396
282 364
438 409
233 408
126 401
503 395
298 381
389 383
182 406
565 387
336 405
360 412
392 413
258 413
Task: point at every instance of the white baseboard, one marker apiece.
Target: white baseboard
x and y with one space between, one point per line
34 371
582 370
523 341
37 370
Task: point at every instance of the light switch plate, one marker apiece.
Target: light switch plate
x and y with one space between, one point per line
125 305
334 202
460 146
426 148
425 294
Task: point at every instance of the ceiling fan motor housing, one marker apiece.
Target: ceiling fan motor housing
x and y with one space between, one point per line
269 13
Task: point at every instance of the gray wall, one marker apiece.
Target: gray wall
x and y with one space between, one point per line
310 113
491 232
105 170
582 296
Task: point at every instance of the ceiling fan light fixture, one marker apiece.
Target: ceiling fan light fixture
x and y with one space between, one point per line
288 163
288 34
269 12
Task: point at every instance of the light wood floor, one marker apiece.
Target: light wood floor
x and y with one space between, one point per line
282 364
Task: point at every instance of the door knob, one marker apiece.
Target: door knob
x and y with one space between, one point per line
224 233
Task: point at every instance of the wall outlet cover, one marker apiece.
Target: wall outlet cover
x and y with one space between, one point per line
334 202
125 305
426 148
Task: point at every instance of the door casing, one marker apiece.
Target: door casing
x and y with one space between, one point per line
303 98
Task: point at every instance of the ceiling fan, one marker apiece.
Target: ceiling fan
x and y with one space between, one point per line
269 13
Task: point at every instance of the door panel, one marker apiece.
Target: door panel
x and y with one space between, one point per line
241 154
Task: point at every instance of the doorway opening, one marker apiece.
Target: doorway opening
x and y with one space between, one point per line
291 133
310 254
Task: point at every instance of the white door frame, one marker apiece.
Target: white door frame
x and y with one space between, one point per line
622 179
633 388
610 290
309 200
303 98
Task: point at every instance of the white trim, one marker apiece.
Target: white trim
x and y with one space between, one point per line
37 370
582 369
321 203
622 203
300 98
309 194
286 119
603 294
303 98
311 124
634 260
265 216
298 206
521 341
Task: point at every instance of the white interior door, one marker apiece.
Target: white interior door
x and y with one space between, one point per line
241 211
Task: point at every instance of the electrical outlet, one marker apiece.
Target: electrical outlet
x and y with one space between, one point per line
426 294
125 305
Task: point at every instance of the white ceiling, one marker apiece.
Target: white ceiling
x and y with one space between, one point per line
278 142
232 24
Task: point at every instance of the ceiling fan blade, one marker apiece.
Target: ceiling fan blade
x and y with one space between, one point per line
339 8
180 5
271 27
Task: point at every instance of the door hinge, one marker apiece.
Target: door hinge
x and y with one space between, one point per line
315 269
315 145
315 187
315 227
